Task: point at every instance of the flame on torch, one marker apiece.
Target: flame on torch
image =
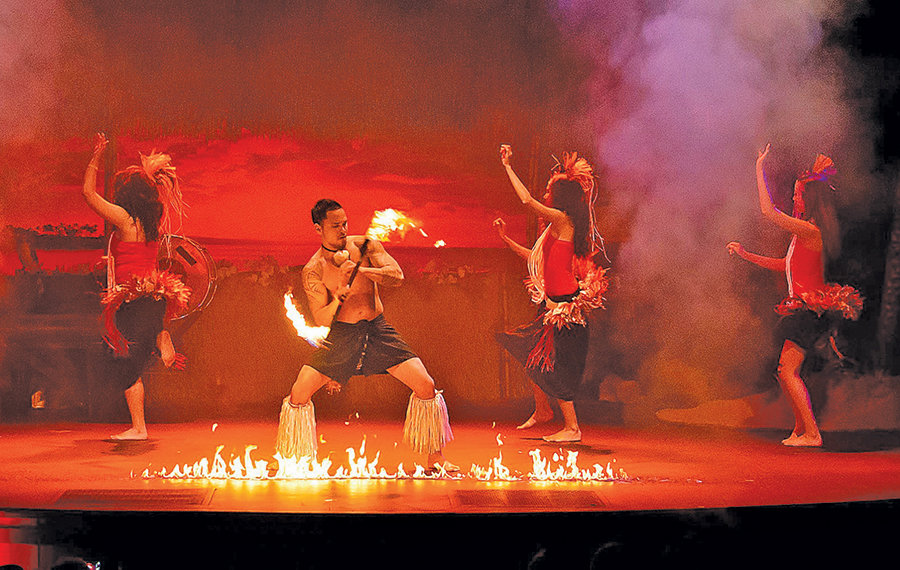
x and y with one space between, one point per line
386 223
394 223
315 336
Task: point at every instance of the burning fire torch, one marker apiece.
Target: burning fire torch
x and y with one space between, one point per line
362 255
384 224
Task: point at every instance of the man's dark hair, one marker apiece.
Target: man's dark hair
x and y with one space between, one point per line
321 209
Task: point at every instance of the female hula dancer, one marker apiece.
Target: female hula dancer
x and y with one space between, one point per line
805 312
139 298
565 282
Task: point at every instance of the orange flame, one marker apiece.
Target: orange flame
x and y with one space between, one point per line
390 223
360 467
495 471
542 470
387 223
313 335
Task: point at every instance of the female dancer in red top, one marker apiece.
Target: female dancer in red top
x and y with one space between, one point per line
564 280
138 298
810 300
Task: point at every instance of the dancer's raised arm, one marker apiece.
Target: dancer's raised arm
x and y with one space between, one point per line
805 231
112 213
550 215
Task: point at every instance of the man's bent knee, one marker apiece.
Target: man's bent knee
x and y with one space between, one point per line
308 382
412 373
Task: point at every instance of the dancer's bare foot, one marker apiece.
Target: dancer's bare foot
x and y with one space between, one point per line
130 435
564 436
535 419
804 440
792 437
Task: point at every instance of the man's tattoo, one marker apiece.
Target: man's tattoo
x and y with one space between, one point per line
312 281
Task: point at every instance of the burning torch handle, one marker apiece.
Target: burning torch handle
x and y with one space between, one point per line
362 255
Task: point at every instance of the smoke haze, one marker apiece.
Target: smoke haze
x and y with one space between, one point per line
689 93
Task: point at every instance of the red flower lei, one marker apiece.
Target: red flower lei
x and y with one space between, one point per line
155 284
834 298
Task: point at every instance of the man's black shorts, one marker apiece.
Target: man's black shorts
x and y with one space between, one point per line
360 349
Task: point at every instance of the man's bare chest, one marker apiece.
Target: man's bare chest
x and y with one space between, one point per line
333 278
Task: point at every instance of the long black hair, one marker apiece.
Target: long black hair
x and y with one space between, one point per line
568 196
820 210
141 200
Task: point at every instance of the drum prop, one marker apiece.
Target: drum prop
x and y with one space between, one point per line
193 264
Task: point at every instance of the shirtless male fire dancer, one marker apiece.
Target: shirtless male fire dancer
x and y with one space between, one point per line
360 342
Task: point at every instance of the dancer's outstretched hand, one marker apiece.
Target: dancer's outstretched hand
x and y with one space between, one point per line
173 360
180 362
100 145
500 225
167 351
735 248
332 387
505 154
763 154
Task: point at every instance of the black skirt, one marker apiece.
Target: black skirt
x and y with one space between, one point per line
570 354
140 321
811 333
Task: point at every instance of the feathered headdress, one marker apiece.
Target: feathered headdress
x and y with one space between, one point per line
578 169
575 168
157 169
822 170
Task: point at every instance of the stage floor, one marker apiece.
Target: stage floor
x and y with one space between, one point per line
690 496
74 467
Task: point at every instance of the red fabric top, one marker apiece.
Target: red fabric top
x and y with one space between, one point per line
559 276
133 258
804 268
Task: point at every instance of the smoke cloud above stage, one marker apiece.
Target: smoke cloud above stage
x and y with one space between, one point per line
684 95
266 107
